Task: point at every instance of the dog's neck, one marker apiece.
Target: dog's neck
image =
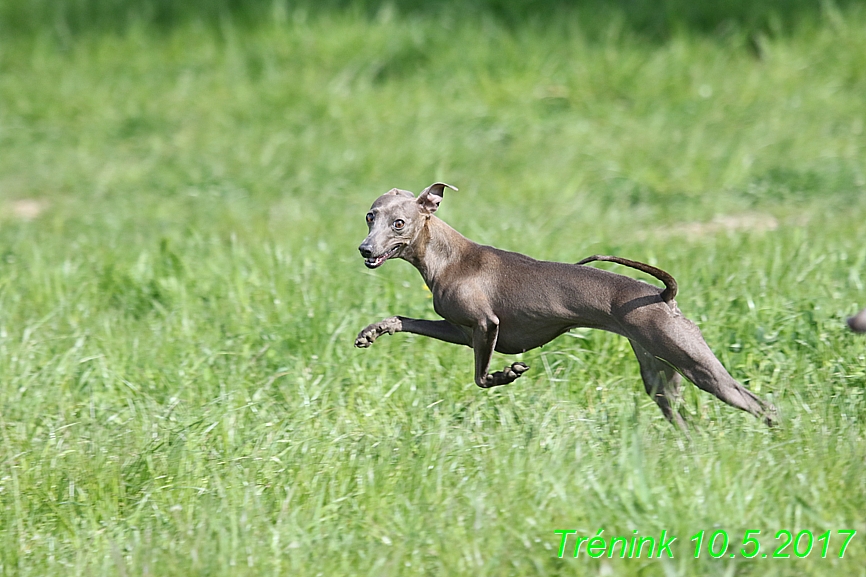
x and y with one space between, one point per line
435 249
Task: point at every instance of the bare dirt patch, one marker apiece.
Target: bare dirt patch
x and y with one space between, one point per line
746 222
24 209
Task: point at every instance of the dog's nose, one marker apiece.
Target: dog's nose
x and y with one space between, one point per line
365 251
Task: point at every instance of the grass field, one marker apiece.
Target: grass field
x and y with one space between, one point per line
180 287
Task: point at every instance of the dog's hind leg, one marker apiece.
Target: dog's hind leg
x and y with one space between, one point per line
662 383
710 375
679 342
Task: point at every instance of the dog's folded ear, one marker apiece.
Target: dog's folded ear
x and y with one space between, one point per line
430 198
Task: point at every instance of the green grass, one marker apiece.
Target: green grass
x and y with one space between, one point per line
657 20
180 288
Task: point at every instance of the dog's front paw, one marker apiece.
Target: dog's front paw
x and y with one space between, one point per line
517 369
369 335
503 377
364 339
487 381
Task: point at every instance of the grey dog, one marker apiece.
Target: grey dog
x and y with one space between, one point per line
857 323
493 299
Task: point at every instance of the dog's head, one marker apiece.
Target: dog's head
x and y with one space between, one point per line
395 220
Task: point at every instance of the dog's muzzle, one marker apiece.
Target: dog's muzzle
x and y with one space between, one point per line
371 261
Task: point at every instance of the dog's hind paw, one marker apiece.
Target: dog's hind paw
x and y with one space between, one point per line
771 415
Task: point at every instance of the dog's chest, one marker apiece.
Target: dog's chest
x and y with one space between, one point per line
461 304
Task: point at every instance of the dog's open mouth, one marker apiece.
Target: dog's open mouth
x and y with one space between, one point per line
376 261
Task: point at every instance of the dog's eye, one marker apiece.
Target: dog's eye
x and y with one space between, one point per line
370 218
399 224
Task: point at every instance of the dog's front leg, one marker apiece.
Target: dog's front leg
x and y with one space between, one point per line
441 330
484 337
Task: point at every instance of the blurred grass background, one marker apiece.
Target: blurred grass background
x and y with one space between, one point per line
182 190
657 20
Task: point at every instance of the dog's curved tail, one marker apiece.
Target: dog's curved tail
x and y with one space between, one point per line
670 290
